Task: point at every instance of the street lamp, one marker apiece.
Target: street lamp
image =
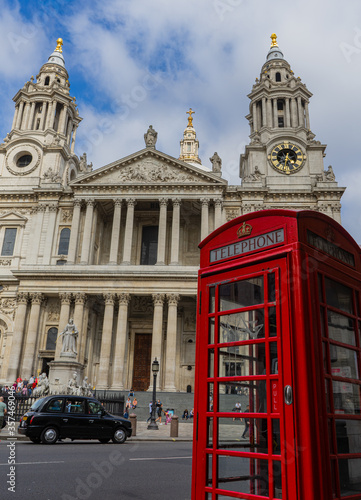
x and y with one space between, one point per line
155 370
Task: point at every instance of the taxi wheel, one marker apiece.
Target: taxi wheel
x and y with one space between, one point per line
35 440
49 435
104 441
119 436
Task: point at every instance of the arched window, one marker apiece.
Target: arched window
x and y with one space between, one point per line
51 339
278 77
47 80
64 241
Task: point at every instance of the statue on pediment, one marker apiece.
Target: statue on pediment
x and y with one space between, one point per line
216 163
150 137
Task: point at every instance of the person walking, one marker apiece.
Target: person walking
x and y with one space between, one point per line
3 411
246 423
159 408
150 411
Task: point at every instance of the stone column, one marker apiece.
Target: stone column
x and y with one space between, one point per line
294 119
204 218
31 116
49 115
217 213
170 357
62 120
174 259
65 300
26 116
74 233
15 119
288 113
114 245
157 336
20 115
18 337
307 116
128 236
49 236
88 224
80 299
269 113
72 147
104 367
120 343
43 115
255 118
264 112
301 121
163 202
275 114
31 338
51 112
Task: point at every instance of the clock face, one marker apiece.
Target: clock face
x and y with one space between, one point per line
286 158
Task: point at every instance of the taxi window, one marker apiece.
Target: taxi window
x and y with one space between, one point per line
55 405
95 408
75 406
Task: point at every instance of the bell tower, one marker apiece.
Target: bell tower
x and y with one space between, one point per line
40 145
283 162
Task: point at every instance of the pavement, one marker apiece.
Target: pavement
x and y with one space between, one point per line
185 433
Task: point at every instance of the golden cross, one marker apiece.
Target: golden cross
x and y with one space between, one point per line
190 119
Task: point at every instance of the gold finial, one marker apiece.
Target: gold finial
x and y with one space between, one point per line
273 37
190 118
59 45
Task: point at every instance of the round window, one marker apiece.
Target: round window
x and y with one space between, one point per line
24 161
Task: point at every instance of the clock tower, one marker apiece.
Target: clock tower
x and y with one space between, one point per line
283 165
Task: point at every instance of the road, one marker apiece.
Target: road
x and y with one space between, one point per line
89 470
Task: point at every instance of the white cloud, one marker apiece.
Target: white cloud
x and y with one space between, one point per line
205 55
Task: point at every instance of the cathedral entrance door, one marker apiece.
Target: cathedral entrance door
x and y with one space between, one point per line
142 358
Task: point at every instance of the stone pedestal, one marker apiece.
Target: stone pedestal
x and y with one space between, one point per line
61 371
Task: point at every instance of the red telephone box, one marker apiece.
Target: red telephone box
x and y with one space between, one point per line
278 388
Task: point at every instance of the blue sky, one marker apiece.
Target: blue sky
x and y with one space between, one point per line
135 63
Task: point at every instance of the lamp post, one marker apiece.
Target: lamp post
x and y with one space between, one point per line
155 370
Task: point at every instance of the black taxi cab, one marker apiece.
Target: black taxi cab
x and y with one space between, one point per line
76 417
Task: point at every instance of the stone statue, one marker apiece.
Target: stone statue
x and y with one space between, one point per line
51 176
70 334
329 175
72 387
150 137
216 163
85 388
42 389
83 162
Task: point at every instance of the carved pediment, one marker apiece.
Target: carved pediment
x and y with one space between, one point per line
149 169
12 218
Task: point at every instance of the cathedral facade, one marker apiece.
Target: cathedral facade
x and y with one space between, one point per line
116 248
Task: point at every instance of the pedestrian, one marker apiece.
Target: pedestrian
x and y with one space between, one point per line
246 423
128 404
3 412
159 408
185 414
131 393
135 403
191 415
150 411
168 417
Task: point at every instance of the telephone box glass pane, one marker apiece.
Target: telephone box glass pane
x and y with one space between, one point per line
242 360
341 328
350 476
338 295
254 392
276 437
243 475
210 432
243 293
271 280
210 397
232 435
346 397
272 322
212 299
277 479
211 331
348 436
343 362
241 326
209 470
211 363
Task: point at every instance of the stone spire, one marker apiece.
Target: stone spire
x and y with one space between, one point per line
189 145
